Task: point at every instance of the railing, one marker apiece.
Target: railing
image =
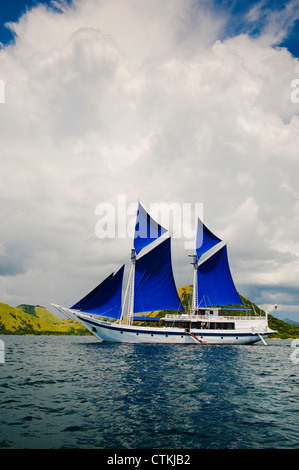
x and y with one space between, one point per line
168 316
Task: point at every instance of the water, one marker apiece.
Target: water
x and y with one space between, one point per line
75 392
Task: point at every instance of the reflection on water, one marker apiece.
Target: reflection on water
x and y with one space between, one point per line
72 392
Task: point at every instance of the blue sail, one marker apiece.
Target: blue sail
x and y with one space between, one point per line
154 282
205 239
147 230
79 305
215 283
105 299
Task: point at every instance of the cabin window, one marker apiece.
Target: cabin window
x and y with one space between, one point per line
184 324
216 326
201 325
228 326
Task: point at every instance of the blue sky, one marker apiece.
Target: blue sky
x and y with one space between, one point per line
238 22
235 11
11 11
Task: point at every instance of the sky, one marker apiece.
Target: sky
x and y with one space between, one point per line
162 101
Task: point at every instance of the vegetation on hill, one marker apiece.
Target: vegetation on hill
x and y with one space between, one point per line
36 320
284 329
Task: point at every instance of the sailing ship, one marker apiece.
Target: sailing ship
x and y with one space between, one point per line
114 317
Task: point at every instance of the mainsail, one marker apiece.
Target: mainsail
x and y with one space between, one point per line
154 282
105 299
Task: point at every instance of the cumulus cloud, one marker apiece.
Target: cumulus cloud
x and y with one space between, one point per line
144 99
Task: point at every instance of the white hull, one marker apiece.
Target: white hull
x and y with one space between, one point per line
118 333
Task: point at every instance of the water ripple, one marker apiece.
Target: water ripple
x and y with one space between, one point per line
72 392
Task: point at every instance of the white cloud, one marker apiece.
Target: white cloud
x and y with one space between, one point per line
143 99
274 23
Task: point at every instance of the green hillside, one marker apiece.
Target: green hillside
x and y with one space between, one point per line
284 329
36 320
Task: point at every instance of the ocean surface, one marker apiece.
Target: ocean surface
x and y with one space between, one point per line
64 392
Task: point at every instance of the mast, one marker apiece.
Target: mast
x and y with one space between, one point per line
132 288
195 290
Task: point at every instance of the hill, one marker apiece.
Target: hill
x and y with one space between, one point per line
36 320
284 330
292 322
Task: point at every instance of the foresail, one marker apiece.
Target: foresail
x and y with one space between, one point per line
147 230
93 294
205 239
154 282
105 299
214 282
